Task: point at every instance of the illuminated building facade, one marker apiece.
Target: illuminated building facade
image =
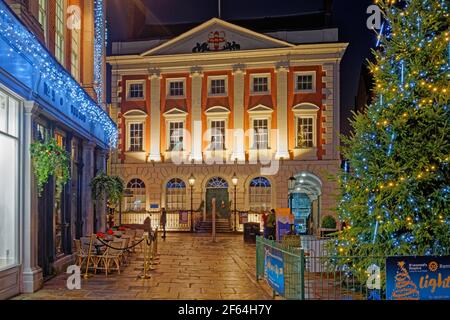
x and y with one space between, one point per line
224 104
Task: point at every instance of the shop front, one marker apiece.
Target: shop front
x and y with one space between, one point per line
39 101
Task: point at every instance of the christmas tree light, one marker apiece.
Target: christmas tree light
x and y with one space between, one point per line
395 198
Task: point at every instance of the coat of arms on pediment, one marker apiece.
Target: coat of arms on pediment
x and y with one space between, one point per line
217 41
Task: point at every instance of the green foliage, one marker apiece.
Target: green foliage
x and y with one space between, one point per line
49 159
328 222
396 199
109 187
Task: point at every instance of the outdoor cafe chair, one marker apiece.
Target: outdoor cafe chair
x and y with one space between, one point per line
111 259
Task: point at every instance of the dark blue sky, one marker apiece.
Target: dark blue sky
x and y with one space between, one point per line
348 15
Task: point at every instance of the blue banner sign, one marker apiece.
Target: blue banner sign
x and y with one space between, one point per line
418 278
274 269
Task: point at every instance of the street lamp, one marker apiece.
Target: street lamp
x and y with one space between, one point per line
191 181
235 181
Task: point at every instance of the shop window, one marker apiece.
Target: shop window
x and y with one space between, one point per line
9 186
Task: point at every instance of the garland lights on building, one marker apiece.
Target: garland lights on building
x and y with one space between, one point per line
22 42
99 49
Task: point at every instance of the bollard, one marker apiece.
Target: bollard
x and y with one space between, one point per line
214 220
146 275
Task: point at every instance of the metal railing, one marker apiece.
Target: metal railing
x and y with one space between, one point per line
173 219
313 273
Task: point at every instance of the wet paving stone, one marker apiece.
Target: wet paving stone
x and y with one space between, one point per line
191 267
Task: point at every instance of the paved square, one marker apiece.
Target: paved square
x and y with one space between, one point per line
191 267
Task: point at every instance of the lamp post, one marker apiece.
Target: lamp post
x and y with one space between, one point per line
235 181
191 183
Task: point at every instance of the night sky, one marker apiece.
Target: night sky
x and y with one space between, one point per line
348 15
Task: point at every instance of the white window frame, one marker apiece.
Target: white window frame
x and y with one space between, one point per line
260 112
306 110
217 114
135 117
210 79
260 75
128 87
172 80
42 17
305 73
176 115
60 22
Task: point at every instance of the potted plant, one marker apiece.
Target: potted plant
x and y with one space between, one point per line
50 159
107 187
329 225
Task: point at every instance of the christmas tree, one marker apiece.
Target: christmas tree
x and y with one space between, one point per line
395 196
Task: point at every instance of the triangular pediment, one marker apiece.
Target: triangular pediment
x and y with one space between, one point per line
217 35
175 112
260 109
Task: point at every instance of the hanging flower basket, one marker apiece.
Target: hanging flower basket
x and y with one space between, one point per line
49 159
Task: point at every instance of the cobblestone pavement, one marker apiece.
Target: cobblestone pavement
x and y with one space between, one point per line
191 267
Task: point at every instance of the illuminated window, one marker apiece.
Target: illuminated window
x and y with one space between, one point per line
176 136
136 202
176 195
261 133
59 30
305 132
42 16
260 194
136 137
9 187
218 135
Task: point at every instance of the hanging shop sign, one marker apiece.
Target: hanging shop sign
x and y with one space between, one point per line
274 269
418 278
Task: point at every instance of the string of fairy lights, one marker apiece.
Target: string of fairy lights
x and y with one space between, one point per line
23 42
99 48
401 82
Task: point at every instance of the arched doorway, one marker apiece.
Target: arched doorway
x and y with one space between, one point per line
304 199
218 188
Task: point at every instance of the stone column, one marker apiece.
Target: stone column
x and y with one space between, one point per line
155 116
87 206
196 125
282 110
239 113
32 277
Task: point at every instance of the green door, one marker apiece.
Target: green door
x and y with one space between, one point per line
222 203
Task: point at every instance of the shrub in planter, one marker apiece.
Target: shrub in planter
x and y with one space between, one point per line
328 222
